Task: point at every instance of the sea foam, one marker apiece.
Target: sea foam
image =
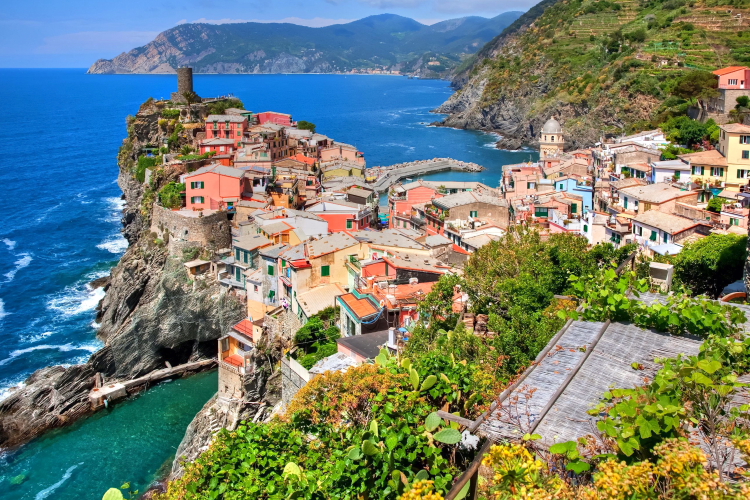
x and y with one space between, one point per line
46 491
10 243
77 299
23 261
114 244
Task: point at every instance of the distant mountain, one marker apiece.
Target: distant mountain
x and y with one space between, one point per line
385 41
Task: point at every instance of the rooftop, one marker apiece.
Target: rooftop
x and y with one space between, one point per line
388 238
273 252
729 69
219 169
467 198
329 244
735 128
711 158
367 345
361 307
655 193
669 223
226 118
671 165
316 299
251 242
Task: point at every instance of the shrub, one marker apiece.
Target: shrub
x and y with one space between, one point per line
170 195
708 265
170 113
305 125
218 108
145 162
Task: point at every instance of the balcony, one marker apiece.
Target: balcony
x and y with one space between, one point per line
418 221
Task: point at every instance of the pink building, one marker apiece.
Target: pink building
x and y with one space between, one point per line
407 195
226 127
733 77
274 117
216 187
342 215
218 146
342 152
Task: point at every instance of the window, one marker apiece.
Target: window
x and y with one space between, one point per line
541 212
743 173
666 238
196 199
196 185
245 256
531 185
732 81
677 175
638 230
561 186
574 208
746 155
237 254
697 170
654 235
646 207
585 228
325 271
238 274
225 344
349 223
255 288
625 202
474 213
270 270
745 139
221 149
734 222
717 171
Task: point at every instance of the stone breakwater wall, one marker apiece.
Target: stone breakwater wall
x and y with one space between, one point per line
181 229
388 176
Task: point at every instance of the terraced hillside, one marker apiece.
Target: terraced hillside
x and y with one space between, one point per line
600 66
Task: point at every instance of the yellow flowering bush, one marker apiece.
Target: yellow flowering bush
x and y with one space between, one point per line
678 473
422 490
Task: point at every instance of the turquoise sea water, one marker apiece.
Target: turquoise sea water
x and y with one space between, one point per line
60 230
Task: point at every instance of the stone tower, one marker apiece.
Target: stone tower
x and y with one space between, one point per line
184 84
551 140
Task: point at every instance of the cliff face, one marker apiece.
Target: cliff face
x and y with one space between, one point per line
151 314
598 67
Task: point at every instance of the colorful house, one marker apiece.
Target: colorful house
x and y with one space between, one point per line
215 187
275 118
734 144
342 215
733 77
226 127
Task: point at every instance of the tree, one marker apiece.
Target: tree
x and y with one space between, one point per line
305 125
715 204
708 265
190 98
219 107
697 84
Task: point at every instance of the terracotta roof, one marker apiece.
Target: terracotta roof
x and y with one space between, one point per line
735 128
235 360
361 307
729 69
245 326
711 157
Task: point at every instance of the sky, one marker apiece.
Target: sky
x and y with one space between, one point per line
75 33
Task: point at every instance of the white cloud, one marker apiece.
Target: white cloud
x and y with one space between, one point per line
315 22
490 7
95 42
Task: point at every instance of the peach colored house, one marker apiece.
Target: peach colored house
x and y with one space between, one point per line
215 187
340 151
226 127
404 197
733 77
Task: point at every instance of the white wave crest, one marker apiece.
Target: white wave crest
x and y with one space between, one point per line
76 299
115 244
115 205
46 491
46 347
2 310
10 243
24 260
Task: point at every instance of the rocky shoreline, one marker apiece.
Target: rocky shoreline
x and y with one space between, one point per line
149 318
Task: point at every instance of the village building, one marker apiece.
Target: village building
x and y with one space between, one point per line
654 228
734 144
734 81
218 146
215 187
235 361
245 256
661 197
342 215
226 127
331 169
551 140
669 171
343 152
708 169
460 209
272 117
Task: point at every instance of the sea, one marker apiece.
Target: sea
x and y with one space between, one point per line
61 229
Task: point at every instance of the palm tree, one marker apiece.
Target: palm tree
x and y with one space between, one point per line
190 98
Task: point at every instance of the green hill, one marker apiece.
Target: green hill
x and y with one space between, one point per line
601 66
382 41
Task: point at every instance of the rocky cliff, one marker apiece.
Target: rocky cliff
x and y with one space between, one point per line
600 67
152 312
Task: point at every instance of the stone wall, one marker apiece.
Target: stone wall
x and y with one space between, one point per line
280 324
181 230
293 378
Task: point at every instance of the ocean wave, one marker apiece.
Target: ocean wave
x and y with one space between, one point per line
45 213
24 260
10 243
11 387
77 299
47 491
116 205
90 348
114 244
2 310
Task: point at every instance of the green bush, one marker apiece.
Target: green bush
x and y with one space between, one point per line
305 125
709 264
218 108
145 162
170 113
170 195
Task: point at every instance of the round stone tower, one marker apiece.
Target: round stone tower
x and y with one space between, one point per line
184 80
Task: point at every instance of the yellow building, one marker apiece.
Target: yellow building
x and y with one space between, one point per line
551 140
708 169
339 168
734 144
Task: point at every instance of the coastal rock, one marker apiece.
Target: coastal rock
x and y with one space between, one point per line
263 393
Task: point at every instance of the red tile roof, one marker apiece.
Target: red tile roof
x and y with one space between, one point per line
361 307
729 69
235 360
245 326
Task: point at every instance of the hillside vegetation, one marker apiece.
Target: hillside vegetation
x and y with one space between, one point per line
602 66
373 42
